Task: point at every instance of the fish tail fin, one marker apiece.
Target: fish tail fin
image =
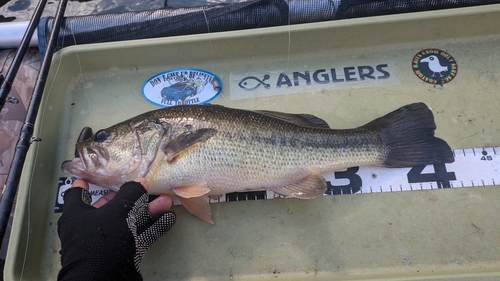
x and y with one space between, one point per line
408 137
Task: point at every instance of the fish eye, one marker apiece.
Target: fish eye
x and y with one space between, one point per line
101 135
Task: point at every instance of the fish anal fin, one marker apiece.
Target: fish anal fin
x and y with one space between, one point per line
187 140
311 186
189 191
198 206
307 120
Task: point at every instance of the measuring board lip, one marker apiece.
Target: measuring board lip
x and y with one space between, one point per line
473 167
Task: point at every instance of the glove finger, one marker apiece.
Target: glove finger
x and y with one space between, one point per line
151 232
155 229
131 194
147 212
142 218
76 199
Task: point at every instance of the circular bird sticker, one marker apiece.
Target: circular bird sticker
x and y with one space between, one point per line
434 66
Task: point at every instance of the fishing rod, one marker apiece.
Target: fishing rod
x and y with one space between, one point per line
27 137
6 84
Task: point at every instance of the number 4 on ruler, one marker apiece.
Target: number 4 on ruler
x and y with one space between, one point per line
441 176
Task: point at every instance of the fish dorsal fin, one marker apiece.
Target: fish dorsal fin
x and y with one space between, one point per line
189 191
306 120
195 199
187 140
311 186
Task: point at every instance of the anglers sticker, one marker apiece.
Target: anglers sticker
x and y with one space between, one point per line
181 86
265 80
434 66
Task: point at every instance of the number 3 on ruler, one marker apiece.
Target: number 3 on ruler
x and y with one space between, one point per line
441 176
354 185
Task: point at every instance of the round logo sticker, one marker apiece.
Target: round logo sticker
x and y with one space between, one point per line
434 66
181 86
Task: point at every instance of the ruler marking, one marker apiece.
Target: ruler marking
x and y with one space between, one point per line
470 169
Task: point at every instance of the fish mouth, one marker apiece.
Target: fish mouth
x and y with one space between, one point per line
84 135
76 165
72 167
92 157
88 159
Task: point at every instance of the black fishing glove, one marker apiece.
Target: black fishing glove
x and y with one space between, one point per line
107 243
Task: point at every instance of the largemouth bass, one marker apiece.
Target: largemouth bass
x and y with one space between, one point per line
195 151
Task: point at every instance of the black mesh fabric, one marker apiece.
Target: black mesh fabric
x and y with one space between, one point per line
366 8
165 22
225 17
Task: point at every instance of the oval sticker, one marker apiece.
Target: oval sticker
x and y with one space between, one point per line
181 86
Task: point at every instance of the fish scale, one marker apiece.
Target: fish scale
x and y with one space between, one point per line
262 164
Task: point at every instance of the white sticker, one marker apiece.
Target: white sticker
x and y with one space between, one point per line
65 183
181 86
375 72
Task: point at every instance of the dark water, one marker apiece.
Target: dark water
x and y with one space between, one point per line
21 10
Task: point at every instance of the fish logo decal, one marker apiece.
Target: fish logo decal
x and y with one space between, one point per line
251 83
181 87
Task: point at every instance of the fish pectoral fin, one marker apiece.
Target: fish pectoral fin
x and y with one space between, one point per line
311 186
198 206
187 140
190 191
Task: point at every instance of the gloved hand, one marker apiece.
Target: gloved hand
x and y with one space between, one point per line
108 243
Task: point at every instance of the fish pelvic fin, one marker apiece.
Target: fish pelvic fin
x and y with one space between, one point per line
189 191
198 206
187 140
408 137
195 199
311 186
